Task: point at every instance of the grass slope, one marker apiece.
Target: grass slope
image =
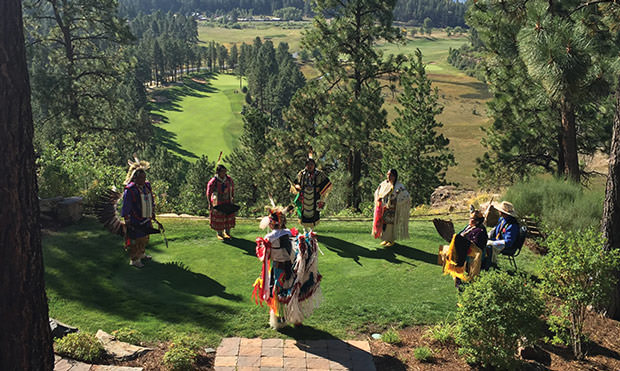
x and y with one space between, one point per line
203 286
199 117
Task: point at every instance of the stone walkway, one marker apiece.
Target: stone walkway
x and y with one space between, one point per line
66 364
242 354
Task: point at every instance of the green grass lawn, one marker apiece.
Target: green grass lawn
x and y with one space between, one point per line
197 117
203 286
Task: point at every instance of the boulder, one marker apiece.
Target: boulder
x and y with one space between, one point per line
442 194
61 211
119 350
69 210
60 329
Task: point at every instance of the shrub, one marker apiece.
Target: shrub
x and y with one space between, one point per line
579 272
191 341
558 204
497 312
423 354
560 327
80 346
391 336
443 332
128 335
179 357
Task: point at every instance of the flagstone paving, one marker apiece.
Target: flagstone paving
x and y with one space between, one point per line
243 354
66 364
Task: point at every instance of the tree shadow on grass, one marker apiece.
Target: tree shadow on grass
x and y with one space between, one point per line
324 345
482 91
168 140
86 266
353 251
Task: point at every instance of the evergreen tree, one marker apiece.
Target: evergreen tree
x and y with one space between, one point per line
544 84
350 65
411 144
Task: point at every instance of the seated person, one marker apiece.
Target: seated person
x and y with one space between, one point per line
466 251
503 237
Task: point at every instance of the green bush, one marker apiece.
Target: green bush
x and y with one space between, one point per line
79 169
391 336
179 357
80 346
579 272
423 354
496 313
560 327
558 204
128 335
191 341
443 332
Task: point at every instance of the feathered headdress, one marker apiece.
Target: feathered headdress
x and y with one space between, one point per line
135 166
277 215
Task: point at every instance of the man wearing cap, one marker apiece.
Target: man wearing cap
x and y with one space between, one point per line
506 232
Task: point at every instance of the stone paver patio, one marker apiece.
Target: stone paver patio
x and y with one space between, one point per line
66 364
243 354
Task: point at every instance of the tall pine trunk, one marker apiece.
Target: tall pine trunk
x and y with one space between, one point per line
25 340
611 209
569 140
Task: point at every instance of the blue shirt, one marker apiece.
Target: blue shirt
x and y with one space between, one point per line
507 229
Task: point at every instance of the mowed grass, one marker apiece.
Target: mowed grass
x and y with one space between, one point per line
200 116
202 286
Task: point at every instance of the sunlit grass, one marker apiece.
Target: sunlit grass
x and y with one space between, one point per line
200 285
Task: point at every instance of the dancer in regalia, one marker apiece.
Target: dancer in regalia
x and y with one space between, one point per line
289 282
138 211
221 191
313 187
392 206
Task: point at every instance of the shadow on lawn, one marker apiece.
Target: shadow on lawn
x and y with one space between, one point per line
168 140
246 245
327 346
88 266
353 251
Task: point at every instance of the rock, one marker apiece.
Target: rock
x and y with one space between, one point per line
119 350
59 329
48 205
209 350
114 368
441 194
376 336
69 210
535 353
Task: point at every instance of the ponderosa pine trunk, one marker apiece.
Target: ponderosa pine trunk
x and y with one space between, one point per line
611 209
25 339
569 140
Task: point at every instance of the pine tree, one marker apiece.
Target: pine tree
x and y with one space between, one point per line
350 65
411 144
544 86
